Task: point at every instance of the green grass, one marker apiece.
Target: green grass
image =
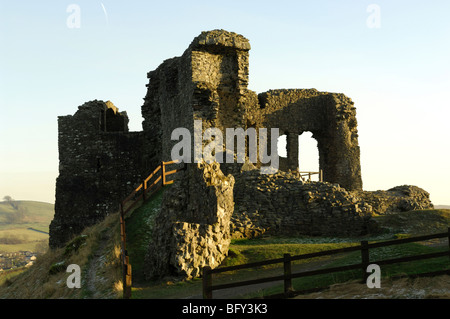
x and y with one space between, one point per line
15 224
7 276
139 227
96 250
399 225
253 250
376 254
38 214
417 222
169 289
239 253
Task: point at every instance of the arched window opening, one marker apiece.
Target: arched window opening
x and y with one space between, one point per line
308 157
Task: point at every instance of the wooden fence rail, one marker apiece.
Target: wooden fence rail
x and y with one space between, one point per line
287 276
143 192
309 174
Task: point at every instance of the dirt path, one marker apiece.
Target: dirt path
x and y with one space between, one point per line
91 273
93 277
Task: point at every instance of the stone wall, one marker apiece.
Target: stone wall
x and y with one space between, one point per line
167 105
208 82
397 199
192 229
203 84
330 117
100 164
283 204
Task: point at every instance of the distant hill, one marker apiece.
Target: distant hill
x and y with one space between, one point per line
442 206
24 225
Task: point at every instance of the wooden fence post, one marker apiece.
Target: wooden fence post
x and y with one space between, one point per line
448 238
287 275
163 172
144 187
364 258
124 277
207 283
127 283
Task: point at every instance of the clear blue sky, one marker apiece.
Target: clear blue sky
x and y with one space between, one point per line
397 71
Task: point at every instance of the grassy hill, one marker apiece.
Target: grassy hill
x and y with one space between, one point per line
24 225
97 252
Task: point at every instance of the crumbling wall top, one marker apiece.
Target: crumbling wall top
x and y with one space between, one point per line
97 115
220 38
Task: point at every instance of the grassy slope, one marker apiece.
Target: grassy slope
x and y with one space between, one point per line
417 222
101 276
36 215
139 225
397 225
97 253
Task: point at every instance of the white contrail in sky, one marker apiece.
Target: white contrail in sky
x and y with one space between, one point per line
106 14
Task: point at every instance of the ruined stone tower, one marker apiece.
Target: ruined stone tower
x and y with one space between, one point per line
210 203
208 83
99 164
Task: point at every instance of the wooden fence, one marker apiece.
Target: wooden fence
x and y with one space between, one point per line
287 276
143 192
309 174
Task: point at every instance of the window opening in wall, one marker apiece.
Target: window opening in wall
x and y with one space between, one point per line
113 121
308 154
282 146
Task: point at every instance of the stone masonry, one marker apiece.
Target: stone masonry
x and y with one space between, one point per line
209 83
210 203
284 204
193 226
99 164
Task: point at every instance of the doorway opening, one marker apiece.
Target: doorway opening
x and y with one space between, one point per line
308 154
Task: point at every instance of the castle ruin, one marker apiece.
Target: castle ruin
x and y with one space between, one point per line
211 203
